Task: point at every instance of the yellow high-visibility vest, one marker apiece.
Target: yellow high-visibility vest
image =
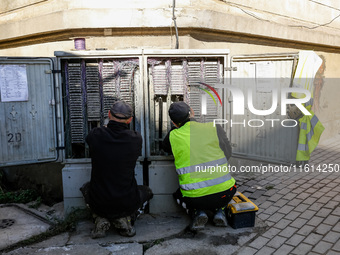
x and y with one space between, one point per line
201 165
309 136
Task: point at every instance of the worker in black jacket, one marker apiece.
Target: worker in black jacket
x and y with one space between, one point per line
112 193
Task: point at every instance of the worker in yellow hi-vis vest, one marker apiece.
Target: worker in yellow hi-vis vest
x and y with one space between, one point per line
201 152
310 126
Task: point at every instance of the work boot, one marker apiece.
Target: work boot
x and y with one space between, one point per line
124 226
100 228
220 219
199 219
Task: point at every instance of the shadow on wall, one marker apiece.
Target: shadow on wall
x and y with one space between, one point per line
319 82
46 178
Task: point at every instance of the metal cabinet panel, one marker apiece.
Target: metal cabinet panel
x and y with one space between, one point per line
77 172
28 128
256 136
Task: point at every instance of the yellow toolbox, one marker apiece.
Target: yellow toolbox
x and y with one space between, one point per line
241 211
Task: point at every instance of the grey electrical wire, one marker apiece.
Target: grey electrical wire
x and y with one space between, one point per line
301 26
174 19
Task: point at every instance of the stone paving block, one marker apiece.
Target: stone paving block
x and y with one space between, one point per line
288 232
261 200
271 210
301 208
247 194
325 181
251 183
282 223
315 207
313 181
303 196
309 200
313 253
332 194
297 191
292 215
276 217
266 204
311 190
298 223
322 247
271 233
286 209
336 228
323 229
284 191
289 196
336 247
263 216
257 194
295 239
306 186
331 252
331 237
312 239
331 204
315 221
280 186
307 214
332 220
275 197
270 223
305 230
295 202
332 184
247 251
259 242
302 249
324 199
276 242
283 250
263 182
324 212
281 202
318 194
300 182
292 186
265 250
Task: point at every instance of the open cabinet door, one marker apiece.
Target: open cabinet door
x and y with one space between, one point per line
27 111
273 137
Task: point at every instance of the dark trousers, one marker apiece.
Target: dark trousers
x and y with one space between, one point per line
145 194
211 202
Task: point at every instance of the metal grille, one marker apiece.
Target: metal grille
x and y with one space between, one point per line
76 102
92 87
6 223
179 80
92 92
109 85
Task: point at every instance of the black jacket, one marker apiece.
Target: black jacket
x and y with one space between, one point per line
114 150
222 138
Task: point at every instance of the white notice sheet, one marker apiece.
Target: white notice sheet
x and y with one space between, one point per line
265 76
13 83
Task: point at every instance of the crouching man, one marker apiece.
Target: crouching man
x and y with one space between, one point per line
200 151
112 193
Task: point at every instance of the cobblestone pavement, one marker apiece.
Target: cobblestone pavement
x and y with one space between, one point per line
301 208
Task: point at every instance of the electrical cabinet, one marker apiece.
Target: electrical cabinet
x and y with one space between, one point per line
69 95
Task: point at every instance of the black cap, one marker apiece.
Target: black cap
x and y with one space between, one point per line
121 110
179 112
